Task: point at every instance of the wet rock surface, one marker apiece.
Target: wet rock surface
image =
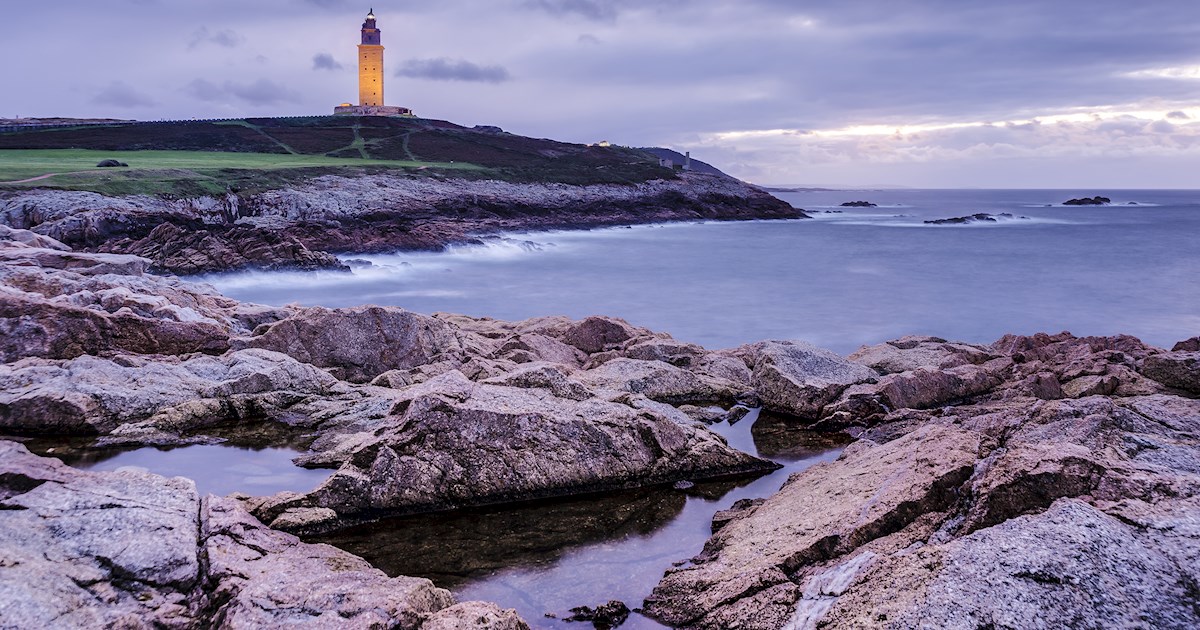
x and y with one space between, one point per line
302 227
451 443
1088 201
129 548
978 217
1062 491
602 617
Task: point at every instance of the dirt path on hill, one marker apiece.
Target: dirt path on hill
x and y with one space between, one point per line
41 177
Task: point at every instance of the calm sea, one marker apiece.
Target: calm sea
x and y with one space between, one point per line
851 276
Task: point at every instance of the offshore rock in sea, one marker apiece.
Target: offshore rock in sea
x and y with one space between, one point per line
1088 201
1064 493
979 217
84 549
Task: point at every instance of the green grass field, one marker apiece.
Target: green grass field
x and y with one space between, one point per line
183 172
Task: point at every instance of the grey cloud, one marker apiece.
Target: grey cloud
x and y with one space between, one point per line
204 90
445 69
226 38
1161 126
1178 115
888 62
260 92
120 94
588 38
600 10
325 61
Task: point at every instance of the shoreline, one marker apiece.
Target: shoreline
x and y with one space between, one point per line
304 227
962 451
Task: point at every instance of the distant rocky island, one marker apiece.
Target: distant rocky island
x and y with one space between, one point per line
1088 201
1044 480
978 217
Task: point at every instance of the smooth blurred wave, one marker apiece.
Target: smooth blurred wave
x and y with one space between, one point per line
853 276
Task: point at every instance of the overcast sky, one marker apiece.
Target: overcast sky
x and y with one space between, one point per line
937 93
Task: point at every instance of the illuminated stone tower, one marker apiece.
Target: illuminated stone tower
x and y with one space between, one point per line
370 65
370 77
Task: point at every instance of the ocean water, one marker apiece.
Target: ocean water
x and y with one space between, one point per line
848 277
216 468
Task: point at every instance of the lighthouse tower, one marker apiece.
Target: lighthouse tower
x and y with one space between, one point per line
370 76
370 65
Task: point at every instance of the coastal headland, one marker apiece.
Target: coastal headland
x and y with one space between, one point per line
293 193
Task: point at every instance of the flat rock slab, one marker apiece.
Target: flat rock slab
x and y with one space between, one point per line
1007 513
819 514
131 549
90 395
451 442
1070 566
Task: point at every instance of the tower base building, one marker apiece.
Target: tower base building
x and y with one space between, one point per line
372 110
370 76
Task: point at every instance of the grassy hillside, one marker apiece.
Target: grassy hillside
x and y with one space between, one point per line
199 157
183 172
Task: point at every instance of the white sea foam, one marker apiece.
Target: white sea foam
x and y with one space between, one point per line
911 221
1115 204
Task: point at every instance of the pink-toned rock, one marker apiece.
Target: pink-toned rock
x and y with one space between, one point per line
799 379
659 381
360 343
670 351
1070 566
1078 511
1175 369
596 334
911 353
38 328
522 348
743 574
265 578
132 549
475 616
451 442
1187 345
